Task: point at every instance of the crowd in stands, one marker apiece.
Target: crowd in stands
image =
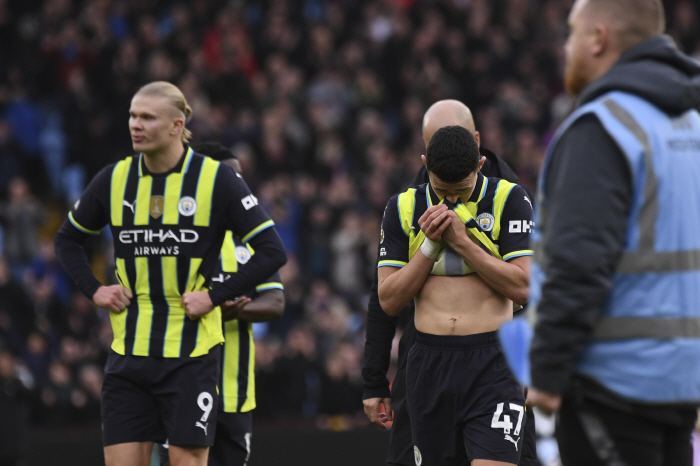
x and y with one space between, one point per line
321 101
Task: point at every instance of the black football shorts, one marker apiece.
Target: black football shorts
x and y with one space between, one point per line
153 399
463 401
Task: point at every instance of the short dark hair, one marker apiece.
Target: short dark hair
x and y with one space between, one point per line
214 150
453 154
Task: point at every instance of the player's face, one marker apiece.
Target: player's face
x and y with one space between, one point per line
576 50
454 192
153 123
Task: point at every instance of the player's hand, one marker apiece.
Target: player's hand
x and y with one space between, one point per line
455 231
197 304
231 309
434 221
116 298
545 401
372 411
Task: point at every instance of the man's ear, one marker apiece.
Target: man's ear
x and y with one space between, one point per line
178 124
422 157
481 162
477 136
600 39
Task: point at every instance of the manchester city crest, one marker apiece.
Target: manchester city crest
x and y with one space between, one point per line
243 255
485 221
187 206
417 455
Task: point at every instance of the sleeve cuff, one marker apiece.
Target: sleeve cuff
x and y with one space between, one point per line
377 392
269 286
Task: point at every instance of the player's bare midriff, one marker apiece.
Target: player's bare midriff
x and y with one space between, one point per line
462 305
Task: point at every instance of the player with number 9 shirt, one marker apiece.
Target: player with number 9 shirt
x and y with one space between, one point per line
168 209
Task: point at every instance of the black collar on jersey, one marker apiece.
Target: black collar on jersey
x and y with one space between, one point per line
180 167
434 199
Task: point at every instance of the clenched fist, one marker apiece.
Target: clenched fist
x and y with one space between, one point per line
197 304
116 298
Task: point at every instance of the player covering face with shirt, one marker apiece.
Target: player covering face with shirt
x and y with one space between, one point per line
458 245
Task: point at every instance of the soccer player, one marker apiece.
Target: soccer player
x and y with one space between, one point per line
168 209
262 304
381 328
459 246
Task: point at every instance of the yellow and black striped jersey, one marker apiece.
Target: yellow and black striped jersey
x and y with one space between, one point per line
167 231
497 216
238 360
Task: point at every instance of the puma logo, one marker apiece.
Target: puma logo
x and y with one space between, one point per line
204 428
529 202
130 206
511 439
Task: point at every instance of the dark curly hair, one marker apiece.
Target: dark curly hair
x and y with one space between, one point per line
453 154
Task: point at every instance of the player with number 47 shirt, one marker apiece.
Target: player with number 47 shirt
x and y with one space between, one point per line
459 246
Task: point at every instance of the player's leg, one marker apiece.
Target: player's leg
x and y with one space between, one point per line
131 419
495 415
186 455
188 399
400 443
129 454
232 442
432 404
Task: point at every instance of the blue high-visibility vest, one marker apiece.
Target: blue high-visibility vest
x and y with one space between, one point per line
646 346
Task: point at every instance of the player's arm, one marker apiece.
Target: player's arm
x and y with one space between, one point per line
399 285
251 223
510 276
267 305
87 217
379 336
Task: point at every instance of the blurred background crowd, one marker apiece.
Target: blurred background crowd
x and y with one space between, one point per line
321 101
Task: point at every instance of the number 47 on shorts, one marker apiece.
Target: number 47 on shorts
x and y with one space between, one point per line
505 424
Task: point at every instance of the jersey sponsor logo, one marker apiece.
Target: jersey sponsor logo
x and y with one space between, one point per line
417 456
155 207
382 252
160 236
130 206
249 201
156 251
243 255
520 226
486 221
187 206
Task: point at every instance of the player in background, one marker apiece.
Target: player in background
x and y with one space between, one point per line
264 303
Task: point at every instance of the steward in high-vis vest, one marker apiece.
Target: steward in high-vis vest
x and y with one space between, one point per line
615 281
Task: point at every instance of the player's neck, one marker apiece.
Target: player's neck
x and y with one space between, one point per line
163 160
